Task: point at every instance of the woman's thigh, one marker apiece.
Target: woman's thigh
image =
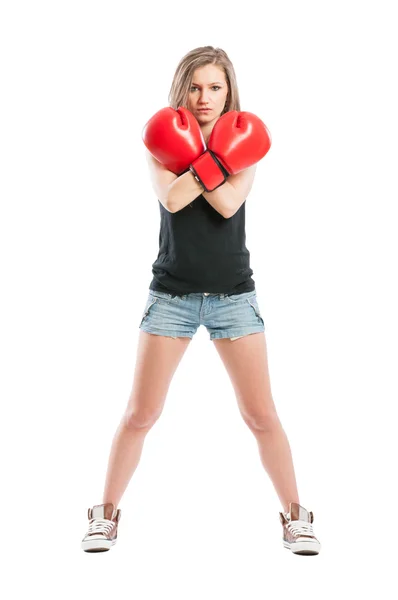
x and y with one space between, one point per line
156 362
246 362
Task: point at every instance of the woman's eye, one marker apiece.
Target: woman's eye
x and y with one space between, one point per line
194 87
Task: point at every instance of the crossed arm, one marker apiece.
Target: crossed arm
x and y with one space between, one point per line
177 192
229 197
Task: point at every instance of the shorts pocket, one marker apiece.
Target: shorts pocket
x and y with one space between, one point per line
150 302
254 304
241 297
163 296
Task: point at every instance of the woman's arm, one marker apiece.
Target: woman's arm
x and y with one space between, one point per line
176 192
183 190
228 198
172 191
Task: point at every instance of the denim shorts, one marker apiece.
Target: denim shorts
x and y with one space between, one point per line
224 315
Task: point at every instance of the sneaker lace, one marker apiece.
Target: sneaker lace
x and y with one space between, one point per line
100 526
300 528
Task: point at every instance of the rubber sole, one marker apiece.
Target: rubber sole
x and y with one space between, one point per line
307 548
97 545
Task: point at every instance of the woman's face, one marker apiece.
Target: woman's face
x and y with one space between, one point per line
209 89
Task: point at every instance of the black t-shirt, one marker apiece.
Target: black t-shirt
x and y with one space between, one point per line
202 251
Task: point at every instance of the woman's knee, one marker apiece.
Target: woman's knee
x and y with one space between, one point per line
265 421
137 420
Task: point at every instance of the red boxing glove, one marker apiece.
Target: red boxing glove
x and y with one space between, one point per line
237 141
174 138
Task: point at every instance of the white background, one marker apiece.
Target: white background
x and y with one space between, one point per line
79 233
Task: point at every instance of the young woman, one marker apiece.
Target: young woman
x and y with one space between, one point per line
202 276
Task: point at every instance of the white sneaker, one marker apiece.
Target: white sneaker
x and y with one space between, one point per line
102 528
298 534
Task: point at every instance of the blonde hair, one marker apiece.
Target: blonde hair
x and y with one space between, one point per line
199 57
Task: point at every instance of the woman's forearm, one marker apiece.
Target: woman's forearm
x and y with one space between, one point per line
182 191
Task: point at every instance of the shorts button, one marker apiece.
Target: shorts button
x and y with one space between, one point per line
206 293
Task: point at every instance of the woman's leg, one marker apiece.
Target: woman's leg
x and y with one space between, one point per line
246 362
157 360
